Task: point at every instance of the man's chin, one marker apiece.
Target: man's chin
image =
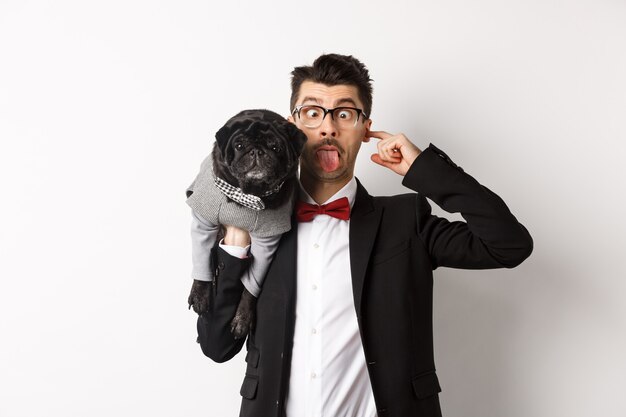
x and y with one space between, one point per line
338 173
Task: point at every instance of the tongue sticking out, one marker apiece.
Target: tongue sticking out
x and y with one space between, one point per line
329 160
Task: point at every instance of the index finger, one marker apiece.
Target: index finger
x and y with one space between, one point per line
379 134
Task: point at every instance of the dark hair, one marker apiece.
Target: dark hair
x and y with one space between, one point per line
334 69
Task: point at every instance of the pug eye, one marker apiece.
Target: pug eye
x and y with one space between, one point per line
239 146
275 148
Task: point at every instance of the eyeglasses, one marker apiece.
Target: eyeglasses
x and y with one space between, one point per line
312 116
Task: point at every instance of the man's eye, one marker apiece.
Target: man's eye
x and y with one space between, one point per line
345 114
312 113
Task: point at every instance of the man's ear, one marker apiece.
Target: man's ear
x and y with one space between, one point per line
368 126
291 119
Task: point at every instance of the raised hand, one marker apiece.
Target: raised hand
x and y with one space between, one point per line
395 152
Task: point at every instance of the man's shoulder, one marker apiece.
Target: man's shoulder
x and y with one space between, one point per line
384 199
395 199
396 202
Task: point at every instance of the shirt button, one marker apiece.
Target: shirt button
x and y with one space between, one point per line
314 286
314 331
313 375
316 246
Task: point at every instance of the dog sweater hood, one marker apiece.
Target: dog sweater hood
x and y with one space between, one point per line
209 202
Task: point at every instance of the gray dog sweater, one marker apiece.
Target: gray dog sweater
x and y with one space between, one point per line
211 204
210 208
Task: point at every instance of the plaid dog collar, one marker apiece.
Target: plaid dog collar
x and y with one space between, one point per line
247 200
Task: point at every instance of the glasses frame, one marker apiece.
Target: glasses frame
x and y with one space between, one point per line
359 112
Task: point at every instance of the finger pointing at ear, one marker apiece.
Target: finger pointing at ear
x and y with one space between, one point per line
395 152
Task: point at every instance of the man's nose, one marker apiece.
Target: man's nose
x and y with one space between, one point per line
328 127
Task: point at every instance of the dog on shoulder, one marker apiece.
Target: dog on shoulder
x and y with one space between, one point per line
248 181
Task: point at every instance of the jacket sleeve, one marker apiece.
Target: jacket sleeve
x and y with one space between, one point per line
214 336
491 237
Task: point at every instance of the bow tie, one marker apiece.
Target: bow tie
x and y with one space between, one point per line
339 209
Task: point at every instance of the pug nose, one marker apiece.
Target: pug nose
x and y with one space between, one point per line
257 152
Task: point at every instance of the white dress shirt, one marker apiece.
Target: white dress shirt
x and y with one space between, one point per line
328 371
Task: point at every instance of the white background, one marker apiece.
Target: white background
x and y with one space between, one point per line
107 109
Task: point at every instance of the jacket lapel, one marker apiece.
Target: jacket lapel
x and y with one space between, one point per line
364 221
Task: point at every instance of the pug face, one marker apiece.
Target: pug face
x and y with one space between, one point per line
257 150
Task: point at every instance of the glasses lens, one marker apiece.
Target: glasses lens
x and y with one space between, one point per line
345 116
311 116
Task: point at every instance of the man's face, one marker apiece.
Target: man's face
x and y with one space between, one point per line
329 155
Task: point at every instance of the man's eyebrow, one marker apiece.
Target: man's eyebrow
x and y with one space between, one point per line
310 98
344 101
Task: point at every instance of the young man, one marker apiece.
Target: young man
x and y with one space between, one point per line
344 320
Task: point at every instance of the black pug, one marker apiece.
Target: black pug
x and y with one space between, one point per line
248 181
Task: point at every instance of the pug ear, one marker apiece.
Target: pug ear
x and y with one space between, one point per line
297 138
221 138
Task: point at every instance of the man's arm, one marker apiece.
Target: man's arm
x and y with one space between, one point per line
214 334
491 238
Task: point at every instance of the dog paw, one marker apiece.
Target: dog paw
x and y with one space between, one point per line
240 326
244 319
199 296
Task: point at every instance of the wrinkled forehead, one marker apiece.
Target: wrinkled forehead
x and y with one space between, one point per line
329 96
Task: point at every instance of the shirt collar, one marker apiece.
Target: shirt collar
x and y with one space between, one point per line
348 191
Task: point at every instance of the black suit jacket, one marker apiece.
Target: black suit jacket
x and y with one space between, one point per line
395 244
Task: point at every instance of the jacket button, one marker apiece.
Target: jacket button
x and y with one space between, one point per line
221 265
372 363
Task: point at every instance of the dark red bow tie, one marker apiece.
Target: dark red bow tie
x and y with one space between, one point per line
339 209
